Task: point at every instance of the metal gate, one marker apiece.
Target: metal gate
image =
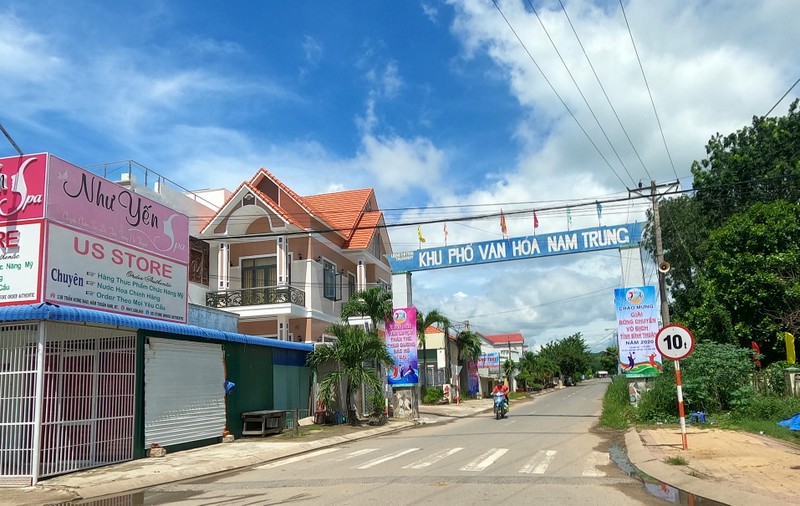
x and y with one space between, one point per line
87 399
68 408
18 366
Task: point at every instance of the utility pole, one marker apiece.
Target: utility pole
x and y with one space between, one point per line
662 266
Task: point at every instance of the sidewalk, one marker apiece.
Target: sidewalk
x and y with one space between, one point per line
728 467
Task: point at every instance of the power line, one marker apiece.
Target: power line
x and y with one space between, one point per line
524 47
784 96
613 109
647 85
580 92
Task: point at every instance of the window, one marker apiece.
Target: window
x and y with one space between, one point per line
329 280
198 261
257 275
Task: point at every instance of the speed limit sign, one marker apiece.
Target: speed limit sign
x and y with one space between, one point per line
675 342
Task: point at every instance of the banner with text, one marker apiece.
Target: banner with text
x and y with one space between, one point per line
86 271
637 326
20 263
401 341
517 248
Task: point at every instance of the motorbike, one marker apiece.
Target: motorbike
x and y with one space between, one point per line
500 406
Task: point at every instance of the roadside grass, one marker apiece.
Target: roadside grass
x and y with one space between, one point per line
676 460
758 415
617 410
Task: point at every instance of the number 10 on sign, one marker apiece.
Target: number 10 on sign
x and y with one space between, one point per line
676 342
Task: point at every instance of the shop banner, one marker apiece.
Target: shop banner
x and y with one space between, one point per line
90 272
85 201
20 263
401 341
637 326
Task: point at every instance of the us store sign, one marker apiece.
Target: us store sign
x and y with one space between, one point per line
88 242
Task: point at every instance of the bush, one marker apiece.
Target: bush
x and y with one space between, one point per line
659 403
766 407
432 395
535 387
377 401
775 375
617 409
716 377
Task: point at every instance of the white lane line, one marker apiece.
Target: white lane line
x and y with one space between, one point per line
485 460
298 458
386 458
596 459
540 462
358 453
429 461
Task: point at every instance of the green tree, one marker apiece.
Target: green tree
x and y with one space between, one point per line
609 358
570 354
425 320
508 370
468 345
374 303
352 347
759 163
750 279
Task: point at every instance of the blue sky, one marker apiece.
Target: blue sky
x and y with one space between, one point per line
435 104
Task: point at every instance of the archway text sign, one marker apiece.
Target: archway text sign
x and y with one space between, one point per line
517 248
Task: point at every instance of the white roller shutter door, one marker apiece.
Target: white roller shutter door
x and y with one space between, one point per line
184 391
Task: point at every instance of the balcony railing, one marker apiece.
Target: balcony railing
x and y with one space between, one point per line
256 296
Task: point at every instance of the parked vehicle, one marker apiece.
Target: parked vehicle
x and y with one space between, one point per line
500 406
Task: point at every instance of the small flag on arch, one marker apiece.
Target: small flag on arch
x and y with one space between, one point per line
419 234
535 221
599 212
503 227
445 233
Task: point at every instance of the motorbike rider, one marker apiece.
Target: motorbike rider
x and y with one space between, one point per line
502 388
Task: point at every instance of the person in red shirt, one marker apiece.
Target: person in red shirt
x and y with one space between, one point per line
502 388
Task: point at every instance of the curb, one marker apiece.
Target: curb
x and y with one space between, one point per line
644 460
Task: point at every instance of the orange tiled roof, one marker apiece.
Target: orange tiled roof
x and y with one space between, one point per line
265 173
505 338
341 210
273 205
364 230
432 329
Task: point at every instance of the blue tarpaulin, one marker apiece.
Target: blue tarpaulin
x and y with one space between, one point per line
793 423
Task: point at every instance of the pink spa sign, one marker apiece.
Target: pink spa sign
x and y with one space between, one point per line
22 188
90 203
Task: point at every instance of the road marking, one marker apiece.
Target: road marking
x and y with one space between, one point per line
436 457
292 460
359 452
386 458
485 460
595 459
540 462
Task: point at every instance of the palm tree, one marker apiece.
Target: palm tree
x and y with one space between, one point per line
375 303
352 347
508 370
469 348
423 322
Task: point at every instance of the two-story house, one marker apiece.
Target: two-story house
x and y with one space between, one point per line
286 263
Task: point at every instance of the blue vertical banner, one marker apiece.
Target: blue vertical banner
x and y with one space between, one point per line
637 326
401 341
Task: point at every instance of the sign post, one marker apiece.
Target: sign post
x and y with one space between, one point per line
676 342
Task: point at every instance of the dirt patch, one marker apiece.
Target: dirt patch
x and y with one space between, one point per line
741 460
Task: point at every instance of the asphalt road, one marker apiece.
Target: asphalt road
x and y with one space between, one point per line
545 452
